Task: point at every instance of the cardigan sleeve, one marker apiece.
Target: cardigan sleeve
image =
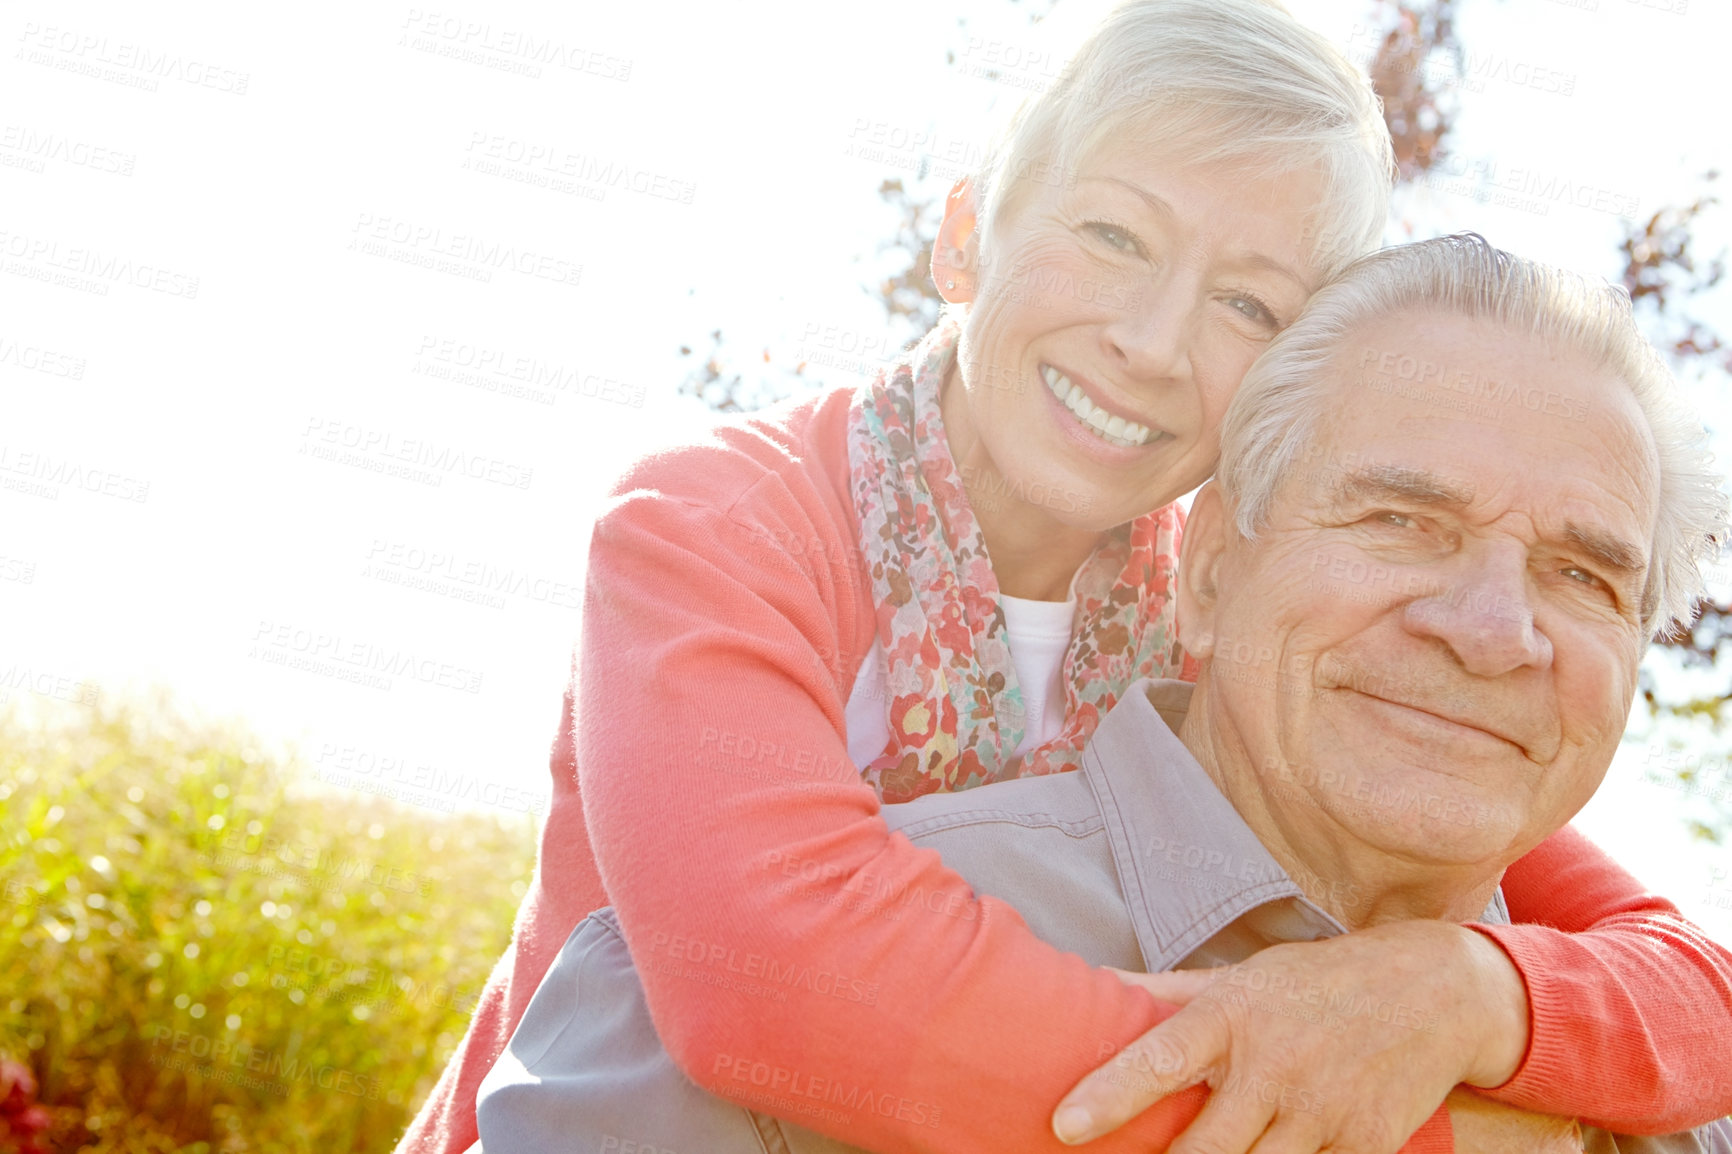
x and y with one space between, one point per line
859 986
1614 972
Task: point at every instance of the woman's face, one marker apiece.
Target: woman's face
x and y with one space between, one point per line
1140 293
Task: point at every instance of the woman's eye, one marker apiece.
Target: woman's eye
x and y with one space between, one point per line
1114 236
1253 309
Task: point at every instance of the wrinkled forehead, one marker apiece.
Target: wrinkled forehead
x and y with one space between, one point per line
1439 408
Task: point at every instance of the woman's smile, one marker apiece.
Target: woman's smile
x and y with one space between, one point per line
1096 414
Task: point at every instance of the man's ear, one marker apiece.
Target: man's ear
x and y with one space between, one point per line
956 251
1207 529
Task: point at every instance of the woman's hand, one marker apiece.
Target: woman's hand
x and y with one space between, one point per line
1345 1044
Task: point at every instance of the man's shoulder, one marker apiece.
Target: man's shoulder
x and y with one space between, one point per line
1038 844
1059 800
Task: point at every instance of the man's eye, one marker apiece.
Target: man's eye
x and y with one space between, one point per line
1395 520
1582 575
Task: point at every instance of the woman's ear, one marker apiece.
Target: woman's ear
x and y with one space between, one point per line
1200 551
954 253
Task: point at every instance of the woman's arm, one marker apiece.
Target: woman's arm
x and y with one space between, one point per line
795 956
716 654
1614 972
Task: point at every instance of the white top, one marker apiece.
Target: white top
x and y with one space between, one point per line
1039 634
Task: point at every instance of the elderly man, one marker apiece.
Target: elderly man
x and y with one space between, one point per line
1455 500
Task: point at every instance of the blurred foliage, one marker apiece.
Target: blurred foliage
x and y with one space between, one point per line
909 296
1667 278
1418 109
727 389
196 956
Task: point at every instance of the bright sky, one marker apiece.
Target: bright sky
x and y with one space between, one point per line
263 275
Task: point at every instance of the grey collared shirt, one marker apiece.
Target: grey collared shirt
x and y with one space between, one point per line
1136 861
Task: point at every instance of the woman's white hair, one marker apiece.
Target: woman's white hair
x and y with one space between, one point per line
1238 81
1267 433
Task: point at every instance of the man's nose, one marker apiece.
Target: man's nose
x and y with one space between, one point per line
1151 336
1486 618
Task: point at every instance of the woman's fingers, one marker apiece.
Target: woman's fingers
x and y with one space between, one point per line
1348 1044
1179 1052
1292 1134
1234 1121
1175 986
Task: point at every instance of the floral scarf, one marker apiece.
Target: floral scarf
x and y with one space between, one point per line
956 710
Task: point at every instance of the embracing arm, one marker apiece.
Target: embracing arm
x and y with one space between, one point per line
795 956
1617 976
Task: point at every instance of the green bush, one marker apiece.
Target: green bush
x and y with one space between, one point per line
198 952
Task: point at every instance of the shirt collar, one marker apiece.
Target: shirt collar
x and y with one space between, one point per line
1187 862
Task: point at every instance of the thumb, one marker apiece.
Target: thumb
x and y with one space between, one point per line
1175 1054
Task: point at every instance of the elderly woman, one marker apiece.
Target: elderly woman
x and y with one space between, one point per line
945 579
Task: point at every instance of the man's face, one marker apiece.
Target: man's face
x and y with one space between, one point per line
1432 647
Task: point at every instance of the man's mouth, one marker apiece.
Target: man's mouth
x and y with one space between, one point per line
1431 713
1109 427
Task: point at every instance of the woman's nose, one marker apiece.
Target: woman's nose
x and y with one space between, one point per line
1150 337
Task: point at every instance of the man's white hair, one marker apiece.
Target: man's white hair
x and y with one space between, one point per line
1272 419
1238 81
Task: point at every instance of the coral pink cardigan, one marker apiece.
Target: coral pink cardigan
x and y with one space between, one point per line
703 740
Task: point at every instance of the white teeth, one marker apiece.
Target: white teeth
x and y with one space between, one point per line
1112 429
